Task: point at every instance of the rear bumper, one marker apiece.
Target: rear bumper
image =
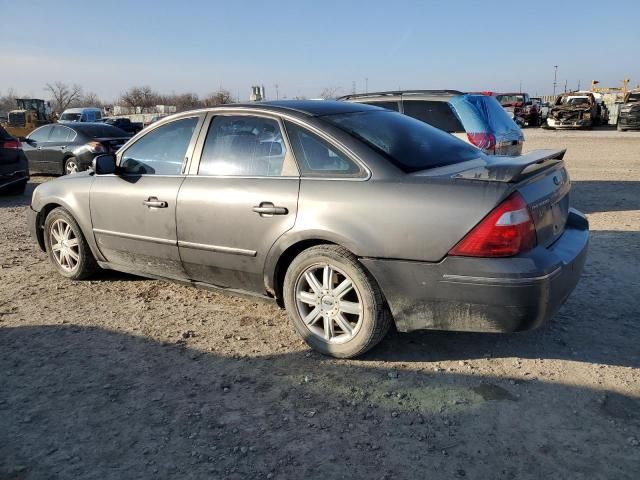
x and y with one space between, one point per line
12 176
485 295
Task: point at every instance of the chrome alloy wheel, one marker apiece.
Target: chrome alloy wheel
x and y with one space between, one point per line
71 167
329 303
64 245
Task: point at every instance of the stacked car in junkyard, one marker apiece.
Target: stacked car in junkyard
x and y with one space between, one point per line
629 116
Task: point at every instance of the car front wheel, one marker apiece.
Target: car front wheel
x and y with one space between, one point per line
334 304
71 166
66 246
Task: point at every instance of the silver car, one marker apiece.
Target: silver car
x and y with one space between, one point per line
350 216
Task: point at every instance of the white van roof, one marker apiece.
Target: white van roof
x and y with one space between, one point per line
82 109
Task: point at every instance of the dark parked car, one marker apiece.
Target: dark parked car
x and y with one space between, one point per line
351 216
14 167
629 116
70 148
124 124
473 118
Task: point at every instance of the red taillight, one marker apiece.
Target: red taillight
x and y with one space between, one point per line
12 145
506 231
484 141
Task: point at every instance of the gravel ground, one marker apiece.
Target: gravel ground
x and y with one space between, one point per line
122 377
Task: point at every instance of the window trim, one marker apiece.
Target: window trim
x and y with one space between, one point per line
211 115
187 156
68 140
49 126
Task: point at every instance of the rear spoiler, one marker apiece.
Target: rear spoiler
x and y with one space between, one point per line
512 169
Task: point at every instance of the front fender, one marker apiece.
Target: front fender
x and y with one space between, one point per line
71 192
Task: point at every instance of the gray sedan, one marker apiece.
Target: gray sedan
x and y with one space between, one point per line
350 216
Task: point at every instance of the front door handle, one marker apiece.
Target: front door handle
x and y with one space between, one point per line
266 209
153 202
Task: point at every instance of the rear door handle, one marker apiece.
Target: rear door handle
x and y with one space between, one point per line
153 202
267 209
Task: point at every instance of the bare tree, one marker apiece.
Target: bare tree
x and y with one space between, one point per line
89 99
140 97
220 97
330 92
62 95
184 101
8 101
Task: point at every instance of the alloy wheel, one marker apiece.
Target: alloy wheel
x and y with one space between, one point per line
329 303
71 167
64 245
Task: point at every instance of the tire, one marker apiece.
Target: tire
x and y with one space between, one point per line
78 263
70 166
328 308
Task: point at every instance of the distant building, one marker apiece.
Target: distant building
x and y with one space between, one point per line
257 93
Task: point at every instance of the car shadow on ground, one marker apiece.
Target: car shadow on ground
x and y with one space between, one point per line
90 403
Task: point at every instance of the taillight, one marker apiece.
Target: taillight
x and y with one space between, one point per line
96 147
484 141
12 145
506 231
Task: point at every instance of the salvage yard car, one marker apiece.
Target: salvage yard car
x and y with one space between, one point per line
473 118
574 110
522 106
629 116
70 148
350 216
14 167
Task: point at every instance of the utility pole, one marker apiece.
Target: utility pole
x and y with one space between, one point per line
565 86
277 92
353 87
578 85
520 91
366 85
555 79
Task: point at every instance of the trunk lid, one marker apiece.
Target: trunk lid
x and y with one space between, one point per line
539 176
113 144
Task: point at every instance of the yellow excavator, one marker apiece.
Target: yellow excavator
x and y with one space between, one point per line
30 114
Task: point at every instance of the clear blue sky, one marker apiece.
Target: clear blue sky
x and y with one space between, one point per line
304 46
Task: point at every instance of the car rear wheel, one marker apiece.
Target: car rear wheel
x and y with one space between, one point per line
334 304
71 166
66 246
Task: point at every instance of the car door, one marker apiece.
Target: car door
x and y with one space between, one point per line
237 200
32 147
134 211
54 150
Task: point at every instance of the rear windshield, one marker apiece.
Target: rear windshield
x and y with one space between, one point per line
71 117
483 114
436 114
509 100
100 130
408 143
633 97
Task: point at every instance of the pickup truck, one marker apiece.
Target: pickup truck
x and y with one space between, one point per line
123 123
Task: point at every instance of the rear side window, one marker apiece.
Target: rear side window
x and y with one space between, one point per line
316 157
436 114
61 134
161 151
244 146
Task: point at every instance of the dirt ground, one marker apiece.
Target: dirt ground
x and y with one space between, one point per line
122 377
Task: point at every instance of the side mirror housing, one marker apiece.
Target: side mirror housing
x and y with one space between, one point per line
104 164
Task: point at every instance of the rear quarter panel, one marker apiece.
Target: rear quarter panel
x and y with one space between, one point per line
413 219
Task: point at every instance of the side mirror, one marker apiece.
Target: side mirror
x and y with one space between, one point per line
104 164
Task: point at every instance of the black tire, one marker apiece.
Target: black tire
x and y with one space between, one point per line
85 265
375 318
68 162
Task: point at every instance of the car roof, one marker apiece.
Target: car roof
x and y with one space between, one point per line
314 108
81 109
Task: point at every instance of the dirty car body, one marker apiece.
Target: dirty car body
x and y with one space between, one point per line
629 116
14 166
573 110
406 199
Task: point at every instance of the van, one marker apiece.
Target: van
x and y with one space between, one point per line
81 115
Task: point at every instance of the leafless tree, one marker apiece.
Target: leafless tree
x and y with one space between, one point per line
89 99
220 97
8 101
63 95
140 97
330 92
184 101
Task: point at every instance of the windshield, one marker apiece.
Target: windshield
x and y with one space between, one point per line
70 117
575 101
408 143
506 100
633 97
